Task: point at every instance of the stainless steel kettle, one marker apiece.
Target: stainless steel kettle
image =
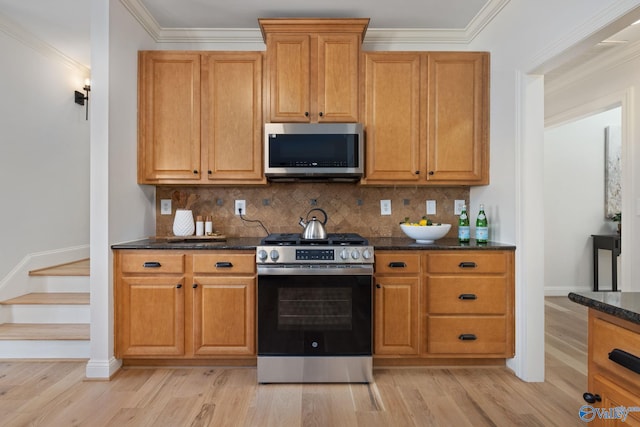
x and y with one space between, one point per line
314 229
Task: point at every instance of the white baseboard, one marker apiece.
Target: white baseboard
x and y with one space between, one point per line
102 369
18 281
44 349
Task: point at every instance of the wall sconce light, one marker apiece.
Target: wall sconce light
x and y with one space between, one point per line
80 97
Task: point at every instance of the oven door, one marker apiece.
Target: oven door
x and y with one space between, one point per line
315 311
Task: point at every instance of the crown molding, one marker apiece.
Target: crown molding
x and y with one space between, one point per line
410 36
596 65
27 38
622 12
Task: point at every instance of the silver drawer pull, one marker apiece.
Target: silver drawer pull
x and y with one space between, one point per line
467 264
467 337
152 264
467 297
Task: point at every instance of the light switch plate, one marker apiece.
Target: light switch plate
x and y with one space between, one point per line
165 206
431 207
457 207
385 207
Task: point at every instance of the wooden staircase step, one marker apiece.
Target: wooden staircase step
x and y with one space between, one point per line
77 268
37 298
39 331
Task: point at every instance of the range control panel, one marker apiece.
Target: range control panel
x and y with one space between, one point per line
314 255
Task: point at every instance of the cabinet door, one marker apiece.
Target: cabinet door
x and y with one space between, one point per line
223 316
392 117
458 118
150 319
232 117
337 78
614 400
396 322
288 68
168 117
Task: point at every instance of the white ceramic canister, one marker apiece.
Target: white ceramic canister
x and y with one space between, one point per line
183 224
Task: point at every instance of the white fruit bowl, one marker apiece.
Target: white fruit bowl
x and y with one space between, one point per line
426 233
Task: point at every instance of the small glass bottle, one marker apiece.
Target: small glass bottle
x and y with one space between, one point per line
482 226
208 226
199 226
463 226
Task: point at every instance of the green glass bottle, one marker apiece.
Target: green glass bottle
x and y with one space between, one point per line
463 226
482 226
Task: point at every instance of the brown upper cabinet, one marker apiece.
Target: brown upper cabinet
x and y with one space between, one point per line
200 118
312 69
426 117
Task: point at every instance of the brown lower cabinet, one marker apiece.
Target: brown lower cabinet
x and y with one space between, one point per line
184 305
444 304
172 304
611 386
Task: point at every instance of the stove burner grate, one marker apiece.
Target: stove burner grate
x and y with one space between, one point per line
294 239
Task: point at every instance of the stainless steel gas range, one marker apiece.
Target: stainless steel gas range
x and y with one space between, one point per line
315 309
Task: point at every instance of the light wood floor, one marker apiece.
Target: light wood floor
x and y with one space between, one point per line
56 393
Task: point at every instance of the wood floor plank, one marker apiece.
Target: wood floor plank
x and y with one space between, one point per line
56 394
77 268
45 298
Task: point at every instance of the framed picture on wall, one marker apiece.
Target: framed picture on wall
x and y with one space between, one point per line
612 171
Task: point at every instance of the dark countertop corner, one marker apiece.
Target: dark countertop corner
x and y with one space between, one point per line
623 305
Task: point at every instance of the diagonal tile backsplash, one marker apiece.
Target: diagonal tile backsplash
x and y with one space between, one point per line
350 207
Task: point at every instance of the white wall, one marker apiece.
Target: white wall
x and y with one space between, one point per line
44 156
596 89
121 210
574 203
523 37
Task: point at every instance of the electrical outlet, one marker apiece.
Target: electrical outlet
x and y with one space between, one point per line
385 207
431 207
165 206
457 206
241 204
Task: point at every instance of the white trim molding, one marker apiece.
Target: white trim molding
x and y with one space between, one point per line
378 37
19 33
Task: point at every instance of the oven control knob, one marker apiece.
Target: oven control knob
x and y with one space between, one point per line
274 255
366 254
262 255
344 255
355 254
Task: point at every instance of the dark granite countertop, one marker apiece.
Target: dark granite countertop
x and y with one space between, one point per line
404 243
624 305
235 243
379 243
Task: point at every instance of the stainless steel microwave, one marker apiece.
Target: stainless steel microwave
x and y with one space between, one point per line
314 152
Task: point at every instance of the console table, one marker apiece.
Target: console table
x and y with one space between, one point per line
609 242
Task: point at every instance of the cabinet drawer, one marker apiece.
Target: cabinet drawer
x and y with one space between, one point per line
466 295
397 263
484 335
152 263
467 263
224 263
606 337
